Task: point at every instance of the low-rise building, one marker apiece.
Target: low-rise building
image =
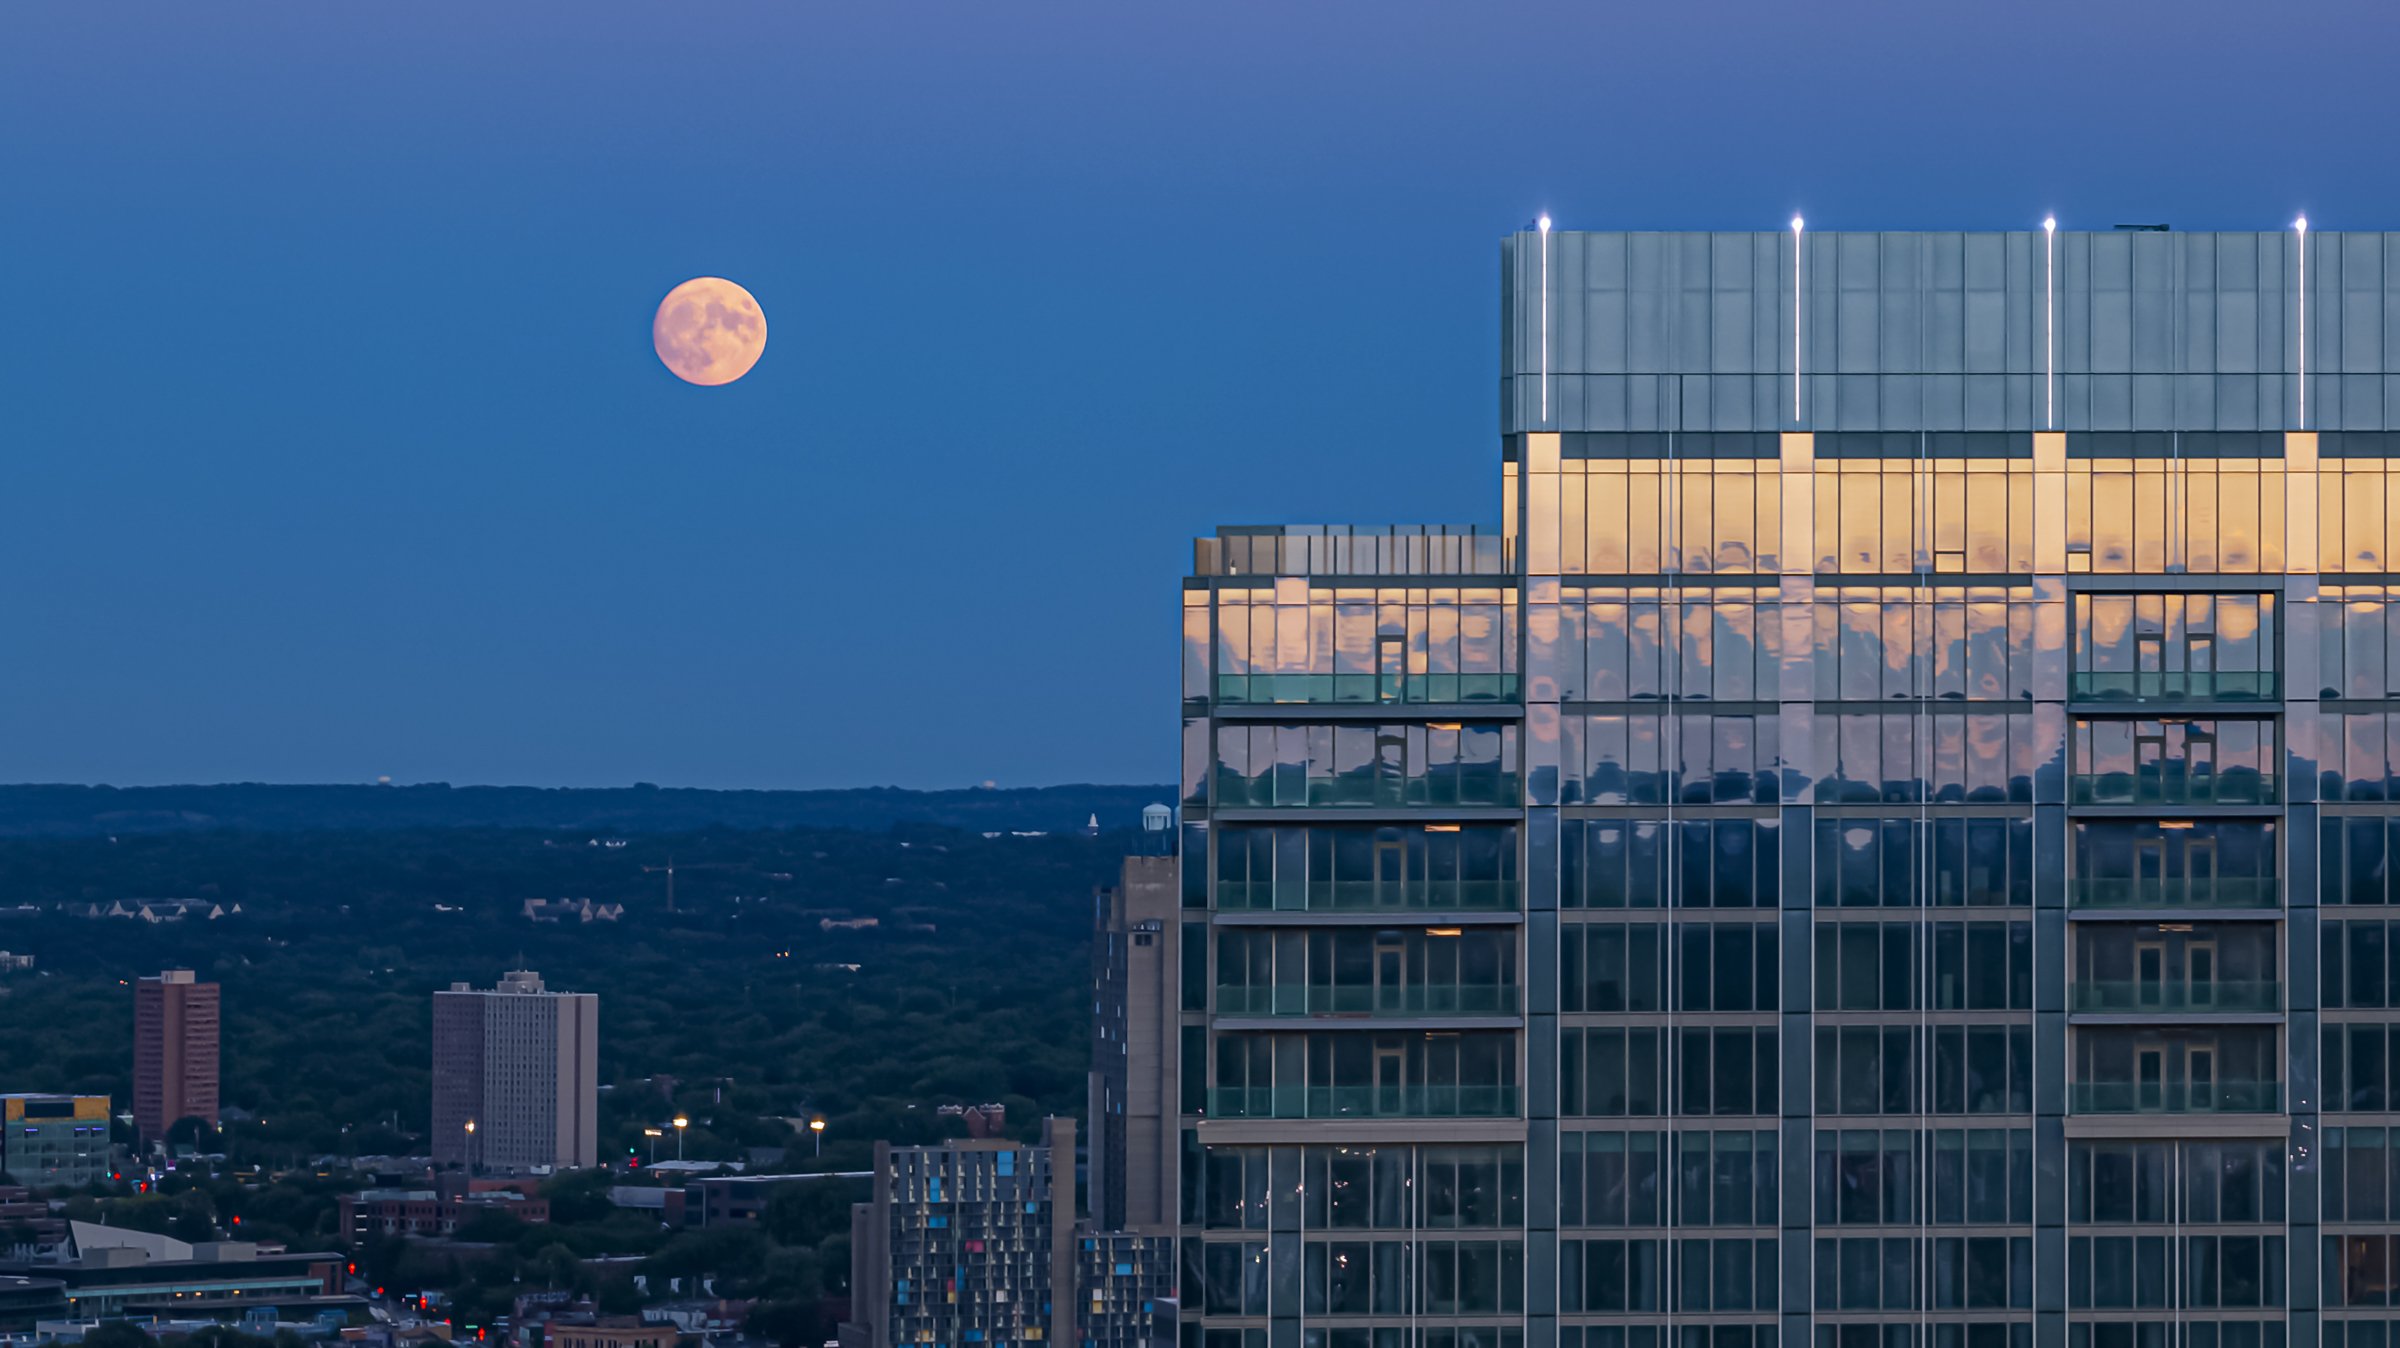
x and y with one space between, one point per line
403 1334
28 1229
426 1212
611 1331
981 1120
155 911
741 1200
27 1301
562 1320
667 1203
578 910
710 1318
54 1141
111 1272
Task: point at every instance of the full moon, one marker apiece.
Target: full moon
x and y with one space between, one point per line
709 331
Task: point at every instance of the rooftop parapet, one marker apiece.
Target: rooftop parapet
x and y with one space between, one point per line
1432 550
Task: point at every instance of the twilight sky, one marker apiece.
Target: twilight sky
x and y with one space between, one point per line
332 443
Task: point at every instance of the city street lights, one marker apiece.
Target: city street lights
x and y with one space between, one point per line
470 1146
654 1134
817 1127
681 1123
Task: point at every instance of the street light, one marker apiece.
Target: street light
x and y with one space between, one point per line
470 1146
654 1134
817 1126
681 1123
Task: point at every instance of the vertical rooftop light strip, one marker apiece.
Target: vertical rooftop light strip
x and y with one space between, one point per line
2300 227
1545 226
2049 323
1796 271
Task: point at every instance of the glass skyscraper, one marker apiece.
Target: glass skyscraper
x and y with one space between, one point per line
1886 844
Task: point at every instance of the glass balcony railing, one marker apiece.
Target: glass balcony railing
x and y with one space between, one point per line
2219 892
1359 896
2178 685
1499 999
1363 1102
2150 788
2127 996
2224 1097
1485 787
1260 689
1357 550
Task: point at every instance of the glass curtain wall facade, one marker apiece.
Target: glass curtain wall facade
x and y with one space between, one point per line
1885 845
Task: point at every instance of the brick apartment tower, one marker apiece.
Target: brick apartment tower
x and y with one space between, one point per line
174 1051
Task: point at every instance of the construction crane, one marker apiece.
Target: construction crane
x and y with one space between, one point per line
669 868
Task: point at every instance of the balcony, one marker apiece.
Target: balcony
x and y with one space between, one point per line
1484 787
1363 1102
1366 689
2152 787
1318 999
1362 896
2129 997
2177 685
2177 893
2224 1097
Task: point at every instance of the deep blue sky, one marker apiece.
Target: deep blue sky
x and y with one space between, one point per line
331 443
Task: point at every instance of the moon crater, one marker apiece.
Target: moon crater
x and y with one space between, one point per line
709 331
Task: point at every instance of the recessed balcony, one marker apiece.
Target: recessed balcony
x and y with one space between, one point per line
1367 689
2185 1068
2177 685
2177 892
2171 786
2175 970
1360 896
2135 997
1318 999
2179 1097
1363 1102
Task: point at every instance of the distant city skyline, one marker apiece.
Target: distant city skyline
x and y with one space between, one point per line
339 448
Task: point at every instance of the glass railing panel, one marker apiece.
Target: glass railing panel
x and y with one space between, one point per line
2177 686
1363 1102
1272 689
2133 997
1338 896
1484 790
1499 999
2223 892
2125 788
2224 1097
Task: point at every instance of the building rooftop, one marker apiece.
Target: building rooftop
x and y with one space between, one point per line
2022 330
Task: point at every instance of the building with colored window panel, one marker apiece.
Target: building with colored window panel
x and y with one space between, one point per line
54 1141
966 1245
1884 844
1125 1295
